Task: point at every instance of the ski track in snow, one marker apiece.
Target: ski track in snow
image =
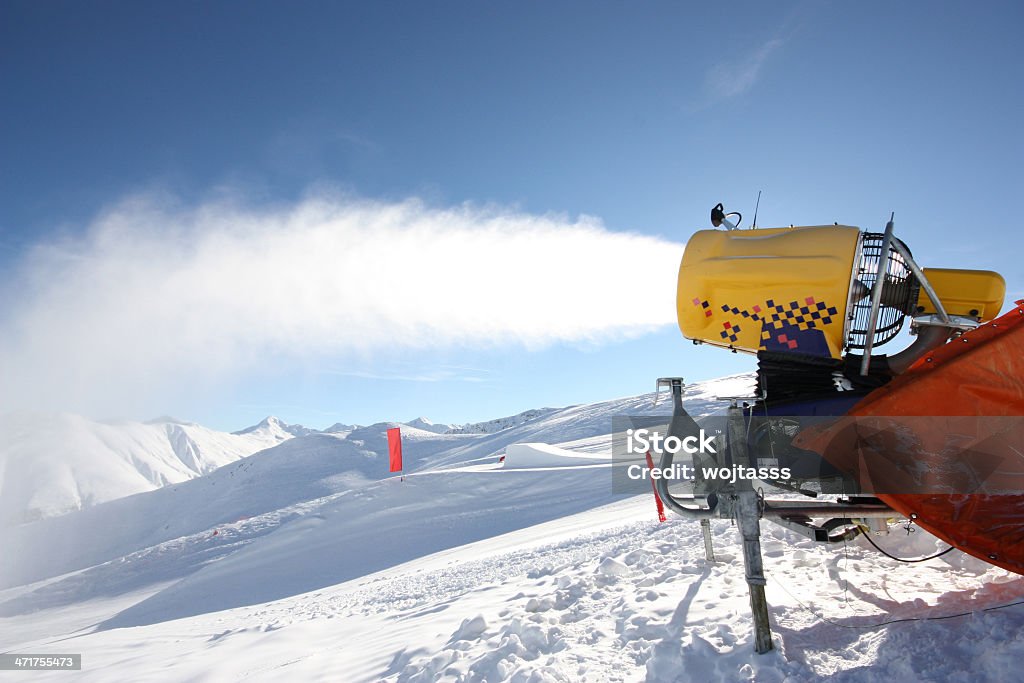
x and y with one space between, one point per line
470 572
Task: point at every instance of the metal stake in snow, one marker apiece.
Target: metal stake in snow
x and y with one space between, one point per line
705 530
395 450
748 512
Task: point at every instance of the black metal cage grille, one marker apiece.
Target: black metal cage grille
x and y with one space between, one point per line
899 293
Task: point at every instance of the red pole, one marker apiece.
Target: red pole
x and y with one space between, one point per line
657 498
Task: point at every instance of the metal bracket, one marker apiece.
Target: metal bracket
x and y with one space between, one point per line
925 285
669 383
940 319
956 322
823 533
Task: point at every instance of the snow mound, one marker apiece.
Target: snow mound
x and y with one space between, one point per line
520 455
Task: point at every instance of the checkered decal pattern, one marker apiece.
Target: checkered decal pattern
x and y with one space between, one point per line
730 332
785 322
804 314
705 304
791 325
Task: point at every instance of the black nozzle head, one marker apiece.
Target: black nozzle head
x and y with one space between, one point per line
717 215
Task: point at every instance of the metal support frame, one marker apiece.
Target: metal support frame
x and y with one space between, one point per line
746 506
748 513
941 319
925 285
714 507
876 296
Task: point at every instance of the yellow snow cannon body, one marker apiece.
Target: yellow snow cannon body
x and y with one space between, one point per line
782 289
976 294
807 290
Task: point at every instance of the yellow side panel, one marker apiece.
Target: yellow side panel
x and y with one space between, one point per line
778 289
972 293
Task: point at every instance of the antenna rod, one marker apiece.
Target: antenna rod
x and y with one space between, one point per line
754 224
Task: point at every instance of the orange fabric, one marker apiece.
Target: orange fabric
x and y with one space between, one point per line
980 374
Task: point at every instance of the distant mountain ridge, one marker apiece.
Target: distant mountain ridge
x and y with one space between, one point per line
275 425
501 423
428 426
54 464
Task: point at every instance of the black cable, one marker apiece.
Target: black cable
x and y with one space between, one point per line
893 621
900 559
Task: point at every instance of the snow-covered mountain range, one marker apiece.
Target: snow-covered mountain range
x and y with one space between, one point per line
307 560
54 464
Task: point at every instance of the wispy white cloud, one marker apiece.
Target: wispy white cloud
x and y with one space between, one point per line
153 296
731 78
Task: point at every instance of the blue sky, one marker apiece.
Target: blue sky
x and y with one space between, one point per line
641 116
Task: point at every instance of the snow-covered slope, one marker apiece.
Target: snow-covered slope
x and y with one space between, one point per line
307 561
313 470
522 455
492 426
53 464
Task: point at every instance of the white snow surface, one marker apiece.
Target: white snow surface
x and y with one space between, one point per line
306 562
520 455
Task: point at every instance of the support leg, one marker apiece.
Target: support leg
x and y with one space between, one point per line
709 550
747 517
748 514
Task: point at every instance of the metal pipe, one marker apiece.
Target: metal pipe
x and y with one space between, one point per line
925 285
928 337
676 427
673 504
876 296
670 501
780 509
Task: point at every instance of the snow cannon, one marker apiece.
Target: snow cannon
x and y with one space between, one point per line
807 290
932 434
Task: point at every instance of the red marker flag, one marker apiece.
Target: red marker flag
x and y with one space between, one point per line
395 448
657 498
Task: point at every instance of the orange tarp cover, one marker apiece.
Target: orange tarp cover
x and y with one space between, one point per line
979 374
